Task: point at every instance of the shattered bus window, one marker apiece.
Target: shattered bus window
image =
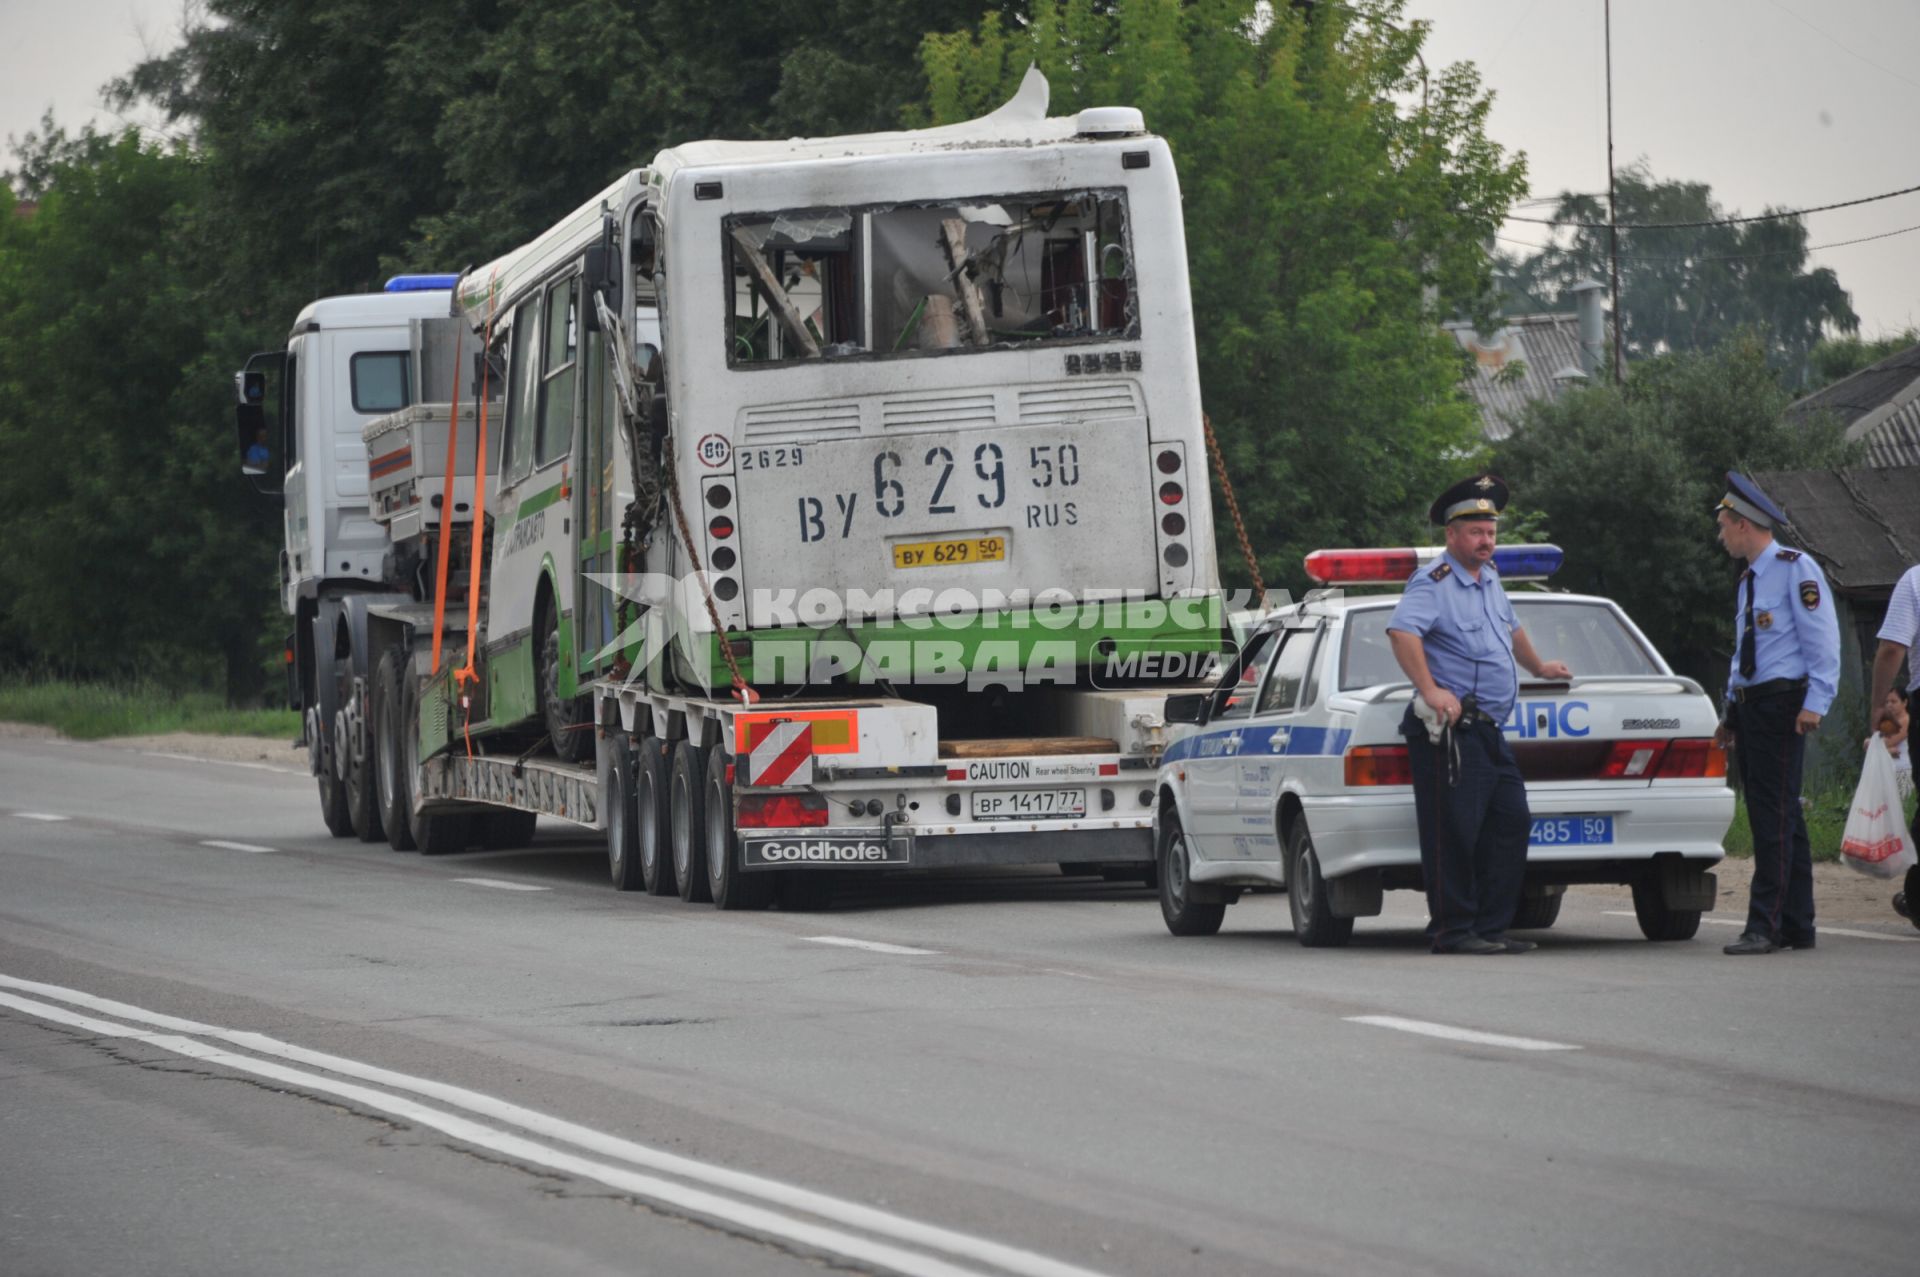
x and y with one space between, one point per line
915 278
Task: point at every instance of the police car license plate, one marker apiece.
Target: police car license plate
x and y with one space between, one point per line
1029 804
928 554
1571 831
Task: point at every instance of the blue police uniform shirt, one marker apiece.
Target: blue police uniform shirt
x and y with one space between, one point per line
1796 631
1467 629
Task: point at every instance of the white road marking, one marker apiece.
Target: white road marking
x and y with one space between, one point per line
836 1210
236 846
224 762
1077 975
40 815
873 946
501 884
1825 931
1452 1034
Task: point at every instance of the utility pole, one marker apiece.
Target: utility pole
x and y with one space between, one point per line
1613 228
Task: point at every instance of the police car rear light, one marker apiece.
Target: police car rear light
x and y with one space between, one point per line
1392 567
1632 760
782 811
1693 759
1378 765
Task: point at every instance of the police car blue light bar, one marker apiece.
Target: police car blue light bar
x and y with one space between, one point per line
421 283
1393 567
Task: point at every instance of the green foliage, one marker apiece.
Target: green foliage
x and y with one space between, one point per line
1836 357
94 711
1330 182
1694 288
1632 476
130 548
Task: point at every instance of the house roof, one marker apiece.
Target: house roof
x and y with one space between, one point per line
1879 405
1546 348
1861 523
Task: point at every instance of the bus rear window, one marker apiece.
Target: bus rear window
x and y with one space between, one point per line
924 278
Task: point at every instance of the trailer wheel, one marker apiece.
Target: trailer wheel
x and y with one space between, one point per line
727 883
363 806
623 851
441 833
687 819
1184 915
393 785
504 830
566 719
333 806
1313 922
652 837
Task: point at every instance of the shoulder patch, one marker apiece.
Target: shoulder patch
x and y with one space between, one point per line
1786 555
1441 571
1810 595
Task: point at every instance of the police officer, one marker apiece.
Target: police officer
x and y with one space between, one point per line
1786 668
1455 635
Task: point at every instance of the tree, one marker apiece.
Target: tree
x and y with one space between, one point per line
1834 358
1630 477
131 551
1694 287
1331 181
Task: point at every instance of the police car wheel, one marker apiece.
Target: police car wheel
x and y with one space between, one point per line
726 883
1537 913
652 839
1184 915
1307 897
1657 922
687 821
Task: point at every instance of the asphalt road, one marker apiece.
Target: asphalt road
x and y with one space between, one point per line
296 1054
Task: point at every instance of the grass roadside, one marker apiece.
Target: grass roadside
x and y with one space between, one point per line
94 711
1826 823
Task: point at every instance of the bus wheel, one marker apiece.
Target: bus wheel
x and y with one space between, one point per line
687 819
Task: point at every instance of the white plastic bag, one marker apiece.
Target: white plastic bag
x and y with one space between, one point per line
1877 841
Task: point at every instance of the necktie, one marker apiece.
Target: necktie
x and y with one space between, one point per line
1747 663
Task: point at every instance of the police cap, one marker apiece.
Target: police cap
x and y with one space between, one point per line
1483 496
1745 499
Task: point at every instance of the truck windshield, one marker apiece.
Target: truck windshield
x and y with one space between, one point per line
1589 637
906 279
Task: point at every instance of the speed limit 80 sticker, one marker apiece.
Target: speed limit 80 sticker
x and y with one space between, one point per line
714 451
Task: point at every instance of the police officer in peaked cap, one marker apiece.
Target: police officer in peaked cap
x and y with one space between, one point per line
1786 669
1455 635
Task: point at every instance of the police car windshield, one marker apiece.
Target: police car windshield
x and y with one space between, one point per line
1587 636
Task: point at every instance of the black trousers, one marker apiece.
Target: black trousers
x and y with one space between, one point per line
1771 756
1473 834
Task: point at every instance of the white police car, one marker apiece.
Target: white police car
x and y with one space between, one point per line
1292 772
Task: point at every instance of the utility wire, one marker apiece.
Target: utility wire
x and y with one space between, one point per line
1718 221
1725 257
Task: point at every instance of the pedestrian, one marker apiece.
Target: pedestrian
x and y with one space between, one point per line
1899 639
1455 635
1786 668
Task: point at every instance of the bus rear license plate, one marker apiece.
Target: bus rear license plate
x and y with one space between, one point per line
1571 831
1029 804
930 554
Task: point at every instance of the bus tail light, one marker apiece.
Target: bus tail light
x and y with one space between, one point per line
1379 765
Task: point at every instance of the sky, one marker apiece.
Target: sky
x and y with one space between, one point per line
1772 103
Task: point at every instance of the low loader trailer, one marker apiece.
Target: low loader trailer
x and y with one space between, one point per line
793 508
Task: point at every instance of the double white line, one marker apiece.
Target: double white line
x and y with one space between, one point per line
752 1203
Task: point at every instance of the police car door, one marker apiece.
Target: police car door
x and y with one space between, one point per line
1283 741
1213 768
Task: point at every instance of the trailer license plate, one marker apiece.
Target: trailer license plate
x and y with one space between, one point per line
927 554
1029 804
1571 831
